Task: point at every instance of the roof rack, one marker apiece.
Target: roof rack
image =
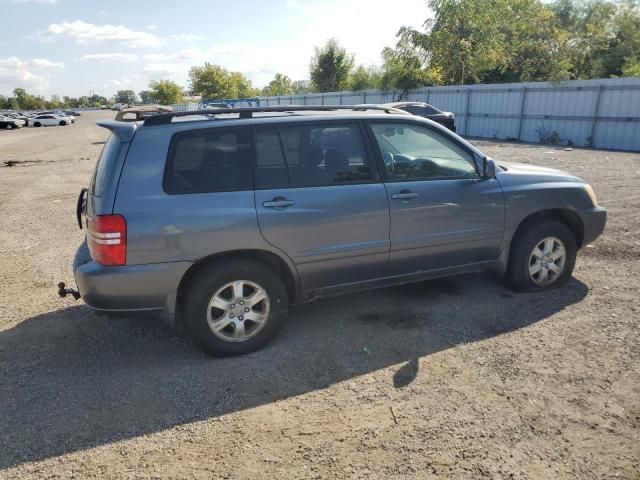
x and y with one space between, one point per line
247 112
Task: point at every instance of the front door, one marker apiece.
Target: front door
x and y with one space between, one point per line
442 213
320 201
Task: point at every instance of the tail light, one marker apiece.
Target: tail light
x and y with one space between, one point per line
107 239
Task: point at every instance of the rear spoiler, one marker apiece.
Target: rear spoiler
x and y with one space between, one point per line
123 130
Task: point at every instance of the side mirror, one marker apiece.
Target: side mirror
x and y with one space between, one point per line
488 168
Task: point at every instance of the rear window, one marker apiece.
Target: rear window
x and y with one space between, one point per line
211 160
107 158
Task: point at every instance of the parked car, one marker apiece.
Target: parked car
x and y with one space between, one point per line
15 118
235 218
119 106
48 119
71 113
59 113
10 123
421 109
136 114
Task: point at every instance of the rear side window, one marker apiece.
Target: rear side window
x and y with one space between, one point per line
306 156
211 160
107 158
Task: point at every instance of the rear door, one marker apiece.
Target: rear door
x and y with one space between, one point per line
319 200
442 213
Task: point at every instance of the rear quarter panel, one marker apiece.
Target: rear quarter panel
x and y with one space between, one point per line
171 228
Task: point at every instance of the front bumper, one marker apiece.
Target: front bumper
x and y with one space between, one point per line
594 221
129 287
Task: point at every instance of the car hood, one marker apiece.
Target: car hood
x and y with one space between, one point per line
534 173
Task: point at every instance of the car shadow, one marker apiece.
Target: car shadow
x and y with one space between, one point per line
72 379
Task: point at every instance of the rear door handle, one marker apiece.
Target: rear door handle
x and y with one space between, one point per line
404 195
278 202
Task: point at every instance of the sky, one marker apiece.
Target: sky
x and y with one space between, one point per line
75 47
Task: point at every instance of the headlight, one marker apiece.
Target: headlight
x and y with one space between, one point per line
592 194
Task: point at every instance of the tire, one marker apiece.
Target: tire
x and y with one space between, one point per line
548 238
62 123
207 284
9 126
37 124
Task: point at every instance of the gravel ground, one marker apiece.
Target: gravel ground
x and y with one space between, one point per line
453 378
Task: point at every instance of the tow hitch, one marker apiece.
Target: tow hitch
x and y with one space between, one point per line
63 292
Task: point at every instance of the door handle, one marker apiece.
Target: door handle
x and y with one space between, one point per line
278 202
404 195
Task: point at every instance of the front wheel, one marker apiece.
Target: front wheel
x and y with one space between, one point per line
9 126
542 257
234 307
62 123
37 124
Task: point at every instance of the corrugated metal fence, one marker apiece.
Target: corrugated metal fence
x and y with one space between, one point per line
603 113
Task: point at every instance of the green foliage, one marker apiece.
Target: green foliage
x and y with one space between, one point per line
363 78
165 92
330 67
216 82
302 86
27 101
280 85
470 41
631 67
125 96
403 70
145 96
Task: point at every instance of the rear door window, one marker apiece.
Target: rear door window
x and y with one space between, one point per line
310 155
209 160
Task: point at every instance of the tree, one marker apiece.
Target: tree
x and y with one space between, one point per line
363 78
470 41
145 96
126 96
280 85
603 36
25 101
403 70
216 82
165 92
301 86
330 67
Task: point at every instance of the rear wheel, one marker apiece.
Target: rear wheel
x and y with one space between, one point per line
234 307
542 257
9 126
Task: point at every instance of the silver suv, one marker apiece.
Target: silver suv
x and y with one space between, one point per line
220 219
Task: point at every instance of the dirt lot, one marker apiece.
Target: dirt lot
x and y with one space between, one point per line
455 378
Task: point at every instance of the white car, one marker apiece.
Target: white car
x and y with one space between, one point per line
48 120
10 117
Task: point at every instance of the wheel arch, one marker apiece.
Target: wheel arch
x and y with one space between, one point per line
272 260
564 215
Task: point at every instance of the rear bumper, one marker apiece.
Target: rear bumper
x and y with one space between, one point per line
594 221
129 287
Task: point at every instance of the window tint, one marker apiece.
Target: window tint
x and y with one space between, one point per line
411 151
107 158
422 111
209 161
304 156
